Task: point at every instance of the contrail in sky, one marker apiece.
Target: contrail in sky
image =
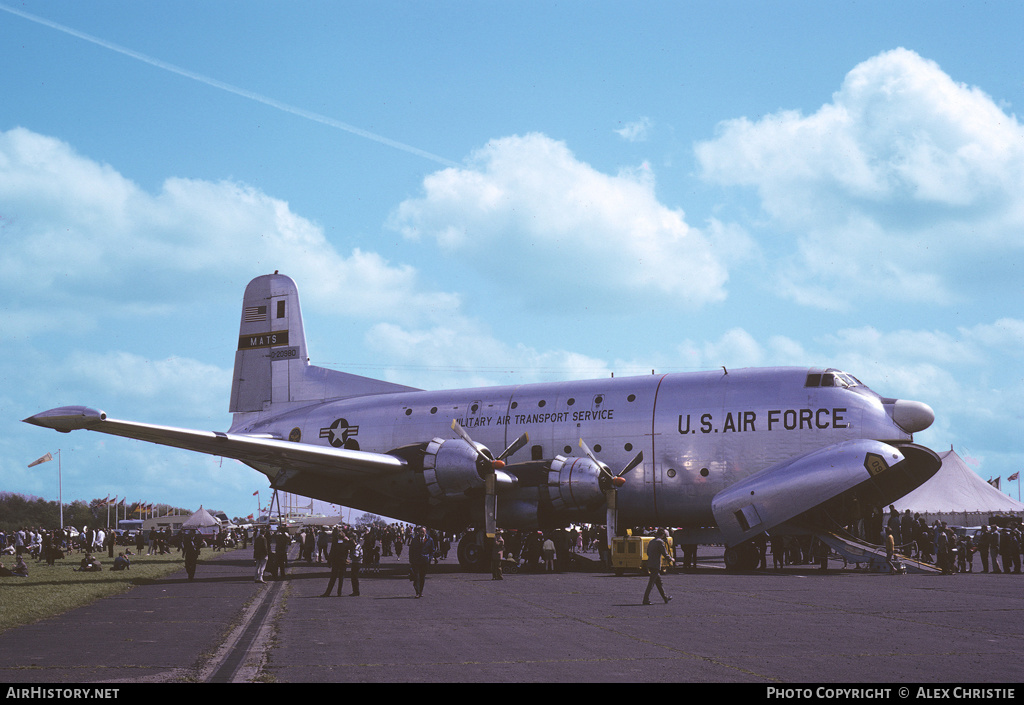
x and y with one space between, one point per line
316 117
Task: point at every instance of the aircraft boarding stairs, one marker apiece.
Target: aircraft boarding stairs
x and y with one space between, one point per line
857 551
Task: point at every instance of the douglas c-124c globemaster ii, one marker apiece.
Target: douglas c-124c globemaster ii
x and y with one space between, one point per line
730 454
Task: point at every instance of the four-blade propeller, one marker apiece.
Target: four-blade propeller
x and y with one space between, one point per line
610 484
488 466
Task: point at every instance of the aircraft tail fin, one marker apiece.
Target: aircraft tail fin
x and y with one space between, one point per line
271 363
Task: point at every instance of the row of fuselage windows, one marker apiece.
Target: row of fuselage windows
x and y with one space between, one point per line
475 408
536 451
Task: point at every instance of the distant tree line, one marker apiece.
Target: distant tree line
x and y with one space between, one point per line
18 511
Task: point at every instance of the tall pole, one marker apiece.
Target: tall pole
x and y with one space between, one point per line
60 491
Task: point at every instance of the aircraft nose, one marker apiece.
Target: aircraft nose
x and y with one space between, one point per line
912 416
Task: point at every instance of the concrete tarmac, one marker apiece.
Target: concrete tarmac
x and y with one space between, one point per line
791 626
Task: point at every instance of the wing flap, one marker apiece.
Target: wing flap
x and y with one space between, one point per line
258 451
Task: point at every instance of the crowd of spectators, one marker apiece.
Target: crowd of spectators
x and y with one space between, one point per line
999 549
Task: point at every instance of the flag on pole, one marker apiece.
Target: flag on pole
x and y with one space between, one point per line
1013 477
45 459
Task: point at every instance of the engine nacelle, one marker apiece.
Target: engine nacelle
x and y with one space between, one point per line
451 467
574 483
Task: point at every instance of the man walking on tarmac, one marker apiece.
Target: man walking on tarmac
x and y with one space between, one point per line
421 552
655 550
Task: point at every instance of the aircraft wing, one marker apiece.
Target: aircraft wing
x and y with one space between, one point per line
261 452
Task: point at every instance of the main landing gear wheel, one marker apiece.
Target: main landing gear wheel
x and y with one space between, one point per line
473 555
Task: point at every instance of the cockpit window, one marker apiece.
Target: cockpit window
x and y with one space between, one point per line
845 380
831 378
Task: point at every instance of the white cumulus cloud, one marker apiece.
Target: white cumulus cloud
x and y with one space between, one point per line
528 209
903 180
77 235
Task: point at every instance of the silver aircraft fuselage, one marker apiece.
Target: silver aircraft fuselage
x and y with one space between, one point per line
699 432
741 452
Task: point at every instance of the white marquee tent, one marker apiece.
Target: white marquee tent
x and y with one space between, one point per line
958 496
203 522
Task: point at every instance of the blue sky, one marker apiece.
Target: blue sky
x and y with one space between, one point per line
490 193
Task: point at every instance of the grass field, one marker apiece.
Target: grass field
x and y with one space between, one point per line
51 590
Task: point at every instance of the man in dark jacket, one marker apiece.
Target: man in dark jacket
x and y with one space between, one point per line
260 551
190 547
421 551
281 541
355 554
982 546
337 557
655 550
